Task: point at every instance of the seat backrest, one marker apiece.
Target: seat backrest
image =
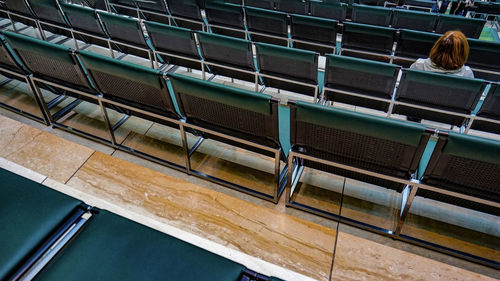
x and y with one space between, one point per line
368 37
471 27
414 20
441 91
226 50
8 58
129 83
83 18
466 164
360 76
383 145
491 105
293 6
49 61
185 8
371 15
267 21
484 54
287 62
415 44
172 39
122 28
229 110
157 6
47 10
225 14
18 6
336 11
314 29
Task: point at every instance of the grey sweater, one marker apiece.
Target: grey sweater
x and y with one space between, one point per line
427 65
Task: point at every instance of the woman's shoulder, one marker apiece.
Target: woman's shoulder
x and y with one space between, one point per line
467 72
419 64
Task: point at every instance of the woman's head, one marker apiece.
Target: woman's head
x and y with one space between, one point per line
450 51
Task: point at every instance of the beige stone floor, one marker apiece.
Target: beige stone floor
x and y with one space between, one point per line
272 234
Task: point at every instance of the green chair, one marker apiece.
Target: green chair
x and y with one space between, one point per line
267 22
291 64
450 93
314 30
413 45
345 75
368 41
371 15
331 10
489 109
84 20
471 27
235 116
466 165
483 58
414 20
226 15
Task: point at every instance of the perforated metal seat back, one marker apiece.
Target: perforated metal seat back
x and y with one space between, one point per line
185 8
471 27
172 39
336 11
18 7
129 83
225 14
293 6
371 15
239 113
362 77
314 29
367 37
265 4
415 44
440 91
267 21
47 10
7 60
484 55
48 61
83 18
415 20
466 164
372 143
123 29
489 109
155 6
226 50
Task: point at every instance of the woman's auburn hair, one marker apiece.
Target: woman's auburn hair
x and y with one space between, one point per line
451 51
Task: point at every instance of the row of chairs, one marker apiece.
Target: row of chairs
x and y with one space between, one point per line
51 236
358 40
382 151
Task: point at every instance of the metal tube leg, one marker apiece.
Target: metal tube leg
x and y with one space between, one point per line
39 100
108 124
186 149
406 209
290 178
277 169
256 83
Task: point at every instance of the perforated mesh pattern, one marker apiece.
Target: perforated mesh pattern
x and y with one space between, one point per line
53 69
422 24
5 59
128 91
224 118
361 151
370 42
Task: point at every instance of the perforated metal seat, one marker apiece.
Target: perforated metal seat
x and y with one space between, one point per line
484 58
233 52
368 41
85 19
440 91
291 64
267 22
293 6
265 4
467 165
414 20
329 9
126 30
371 15
174 40
489 109
313 29
48 11
131 84
188 9
471 27
360 76
227 15
21 8
387 146
413 45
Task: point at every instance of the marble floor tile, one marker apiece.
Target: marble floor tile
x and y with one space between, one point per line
360 259
270 235
41 151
